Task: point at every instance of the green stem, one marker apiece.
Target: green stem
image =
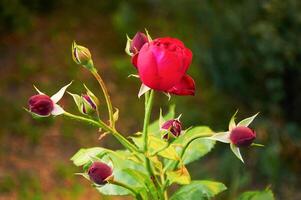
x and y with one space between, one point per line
137 195
101 124
149 97
106 95
148 109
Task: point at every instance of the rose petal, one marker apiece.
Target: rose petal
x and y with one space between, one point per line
187 58
186 86
134 60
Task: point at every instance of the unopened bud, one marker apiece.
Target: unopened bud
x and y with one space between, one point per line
82 56
41 104
89 106
137 42
174 126
99 172
242 136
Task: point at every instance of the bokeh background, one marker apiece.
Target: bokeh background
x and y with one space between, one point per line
247 56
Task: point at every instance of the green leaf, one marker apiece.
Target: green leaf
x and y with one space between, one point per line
257 195
149 188
121 158
154 127
134 179
199 190
191 134
110 189
84 156
158 146
197 147
181 176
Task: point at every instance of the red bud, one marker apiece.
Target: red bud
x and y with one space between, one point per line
242 136
41 104
99 172
174 126
138 41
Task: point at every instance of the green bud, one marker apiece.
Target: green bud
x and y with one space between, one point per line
92 96
82 56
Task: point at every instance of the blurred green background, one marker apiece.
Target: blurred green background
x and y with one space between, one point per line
247 56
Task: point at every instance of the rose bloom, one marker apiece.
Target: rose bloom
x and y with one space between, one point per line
162 65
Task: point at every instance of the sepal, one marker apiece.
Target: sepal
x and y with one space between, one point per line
143 90
236 152
57 96
246 122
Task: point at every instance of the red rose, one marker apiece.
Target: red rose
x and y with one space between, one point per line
99 172
242 136
162 65
41 104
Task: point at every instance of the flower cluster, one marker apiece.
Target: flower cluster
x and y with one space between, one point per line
156 157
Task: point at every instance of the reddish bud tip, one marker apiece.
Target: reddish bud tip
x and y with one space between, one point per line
40 104
242 136
174 126
138 41
99 172
89 100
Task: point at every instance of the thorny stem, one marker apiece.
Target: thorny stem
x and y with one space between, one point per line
106 95
101 124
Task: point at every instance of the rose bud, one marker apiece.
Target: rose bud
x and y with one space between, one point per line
162 65
137 42
82 56
242 136
99 172
173 126
89 105
41 104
